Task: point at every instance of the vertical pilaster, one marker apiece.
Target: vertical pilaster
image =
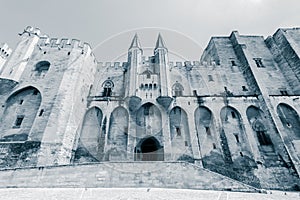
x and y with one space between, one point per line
167 136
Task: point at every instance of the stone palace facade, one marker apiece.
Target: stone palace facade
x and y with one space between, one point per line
234 112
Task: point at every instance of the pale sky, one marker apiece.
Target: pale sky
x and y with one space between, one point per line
94 21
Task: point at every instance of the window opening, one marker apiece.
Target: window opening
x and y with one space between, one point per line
178 131
258 62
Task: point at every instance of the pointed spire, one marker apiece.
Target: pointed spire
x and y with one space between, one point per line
135 42
160 42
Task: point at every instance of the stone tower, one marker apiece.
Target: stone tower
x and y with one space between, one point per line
233 113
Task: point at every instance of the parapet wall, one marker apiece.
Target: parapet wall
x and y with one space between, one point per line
46 41
185 64
191 64
113 65
62 43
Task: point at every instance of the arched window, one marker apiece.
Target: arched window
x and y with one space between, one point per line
148 74
42 67
177 89
108 85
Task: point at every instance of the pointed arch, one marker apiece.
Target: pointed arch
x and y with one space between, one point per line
177 89
91 141
290 120
259 125
118 128
149 121
205 127
20 112
234 140
107 86
149 149
147 73
180 134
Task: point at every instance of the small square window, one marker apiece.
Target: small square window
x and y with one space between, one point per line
283 92
244 88
233 63
195 92
207 129
214 146
18 121
210 78
186 143
21 101
178 131
258 62
233 114
236 137
42 111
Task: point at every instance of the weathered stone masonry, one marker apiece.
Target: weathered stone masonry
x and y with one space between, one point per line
234 112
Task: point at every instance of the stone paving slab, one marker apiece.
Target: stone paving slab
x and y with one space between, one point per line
137 193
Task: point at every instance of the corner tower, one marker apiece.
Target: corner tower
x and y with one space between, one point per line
17 62
4 53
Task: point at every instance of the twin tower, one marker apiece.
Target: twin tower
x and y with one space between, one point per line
234 112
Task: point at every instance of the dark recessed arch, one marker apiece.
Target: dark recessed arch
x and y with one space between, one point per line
149 149
148 120
20 112
91 141
206 132
230 113
179 132
259 125
233 137
290 120
118 128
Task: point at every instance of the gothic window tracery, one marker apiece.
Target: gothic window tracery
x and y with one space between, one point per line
108 85
261 130
177 89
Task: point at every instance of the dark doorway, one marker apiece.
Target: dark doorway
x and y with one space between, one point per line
149 149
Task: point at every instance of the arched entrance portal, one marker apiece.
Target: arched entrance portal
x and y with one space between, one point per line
149 149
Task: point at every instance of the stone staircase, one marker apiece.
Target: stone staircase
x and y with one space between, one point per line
179 175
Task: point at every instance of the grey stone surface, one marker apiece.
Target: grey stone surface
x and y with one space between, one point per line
137 193
234 112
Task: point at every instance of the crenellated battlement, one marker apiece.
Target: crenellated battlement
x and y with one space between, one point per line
5 51
185 64
113 65
45 41
191 64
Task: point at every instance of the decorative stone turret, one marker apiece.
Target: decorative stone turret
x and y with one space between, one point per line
134 60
